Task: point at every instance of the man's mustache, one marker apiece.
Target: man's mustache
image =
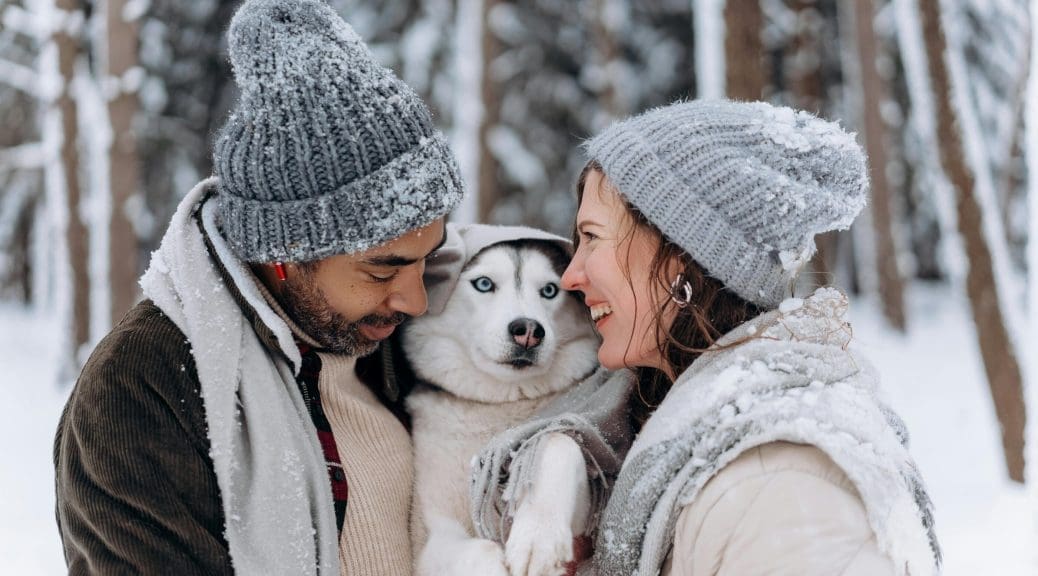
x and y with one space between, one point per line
377 321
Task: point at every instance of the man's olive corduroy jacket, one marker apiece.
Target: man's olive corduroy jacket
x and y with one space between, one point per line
136 490
135 485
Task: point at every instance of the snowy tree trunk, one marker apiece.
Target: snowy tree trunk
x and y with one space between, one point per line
996 345
860 246
745 77
874 93
476 109
807 88
606 52
824 258
17 211
804 61
489 190
17 202
708 20
21 257
67 39
123 72
950 258
468 113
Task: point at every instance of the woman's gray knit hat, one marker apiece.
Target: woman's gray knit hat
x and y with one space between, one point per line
743 187
327 152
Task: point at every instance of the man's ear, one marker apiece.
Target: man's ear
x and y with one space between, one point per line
267 273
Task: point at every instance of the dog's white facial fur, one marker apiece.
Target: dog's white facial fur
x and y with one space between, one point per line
469 349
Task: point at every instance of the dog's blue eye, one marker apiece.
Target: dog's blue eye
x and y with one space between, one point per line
483 284
550 290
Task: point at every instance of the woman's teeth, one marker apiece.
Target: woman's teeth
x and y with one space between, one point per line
600 311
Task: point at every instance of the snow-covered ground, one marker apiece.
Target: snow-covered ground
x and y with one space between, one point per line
933 376
31 399
935 379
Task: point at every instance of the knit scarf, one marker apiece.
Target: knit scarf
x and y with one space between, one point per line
269 465
785 376
593 413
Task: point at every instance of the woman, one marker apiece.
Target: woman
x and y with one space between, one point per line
762 447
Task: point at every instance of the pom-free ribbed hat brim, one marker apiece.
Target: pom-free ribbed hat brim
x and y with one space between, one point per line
630 164
410 192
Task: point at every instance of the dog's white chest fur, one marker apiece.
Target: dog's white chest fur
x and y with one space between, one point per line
507 342
448 432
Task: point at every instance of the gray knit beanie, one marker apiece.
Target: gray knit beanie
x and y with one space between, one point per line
743 187
326 152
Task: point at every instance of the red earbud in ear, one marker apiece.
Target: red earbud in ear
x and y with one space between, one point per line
279 269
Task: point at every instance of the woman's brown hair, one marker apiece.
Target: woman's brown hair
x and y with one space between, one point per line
713 310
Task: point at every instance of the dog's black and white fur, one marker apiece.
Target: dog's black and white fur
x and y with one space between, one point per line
507 342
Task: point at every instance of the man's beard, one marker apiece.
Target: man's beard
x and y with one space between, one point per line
305 304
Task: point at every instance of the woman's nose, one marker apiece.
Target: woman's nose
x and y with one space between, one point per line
573 278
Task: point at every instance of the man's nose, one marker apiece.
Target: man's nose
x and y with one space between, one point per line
410 297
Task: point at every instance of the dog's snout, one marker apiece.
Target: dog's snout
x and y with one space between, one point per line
526 332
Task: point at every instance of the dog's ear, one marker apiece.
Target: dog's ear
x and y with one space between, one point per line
443 269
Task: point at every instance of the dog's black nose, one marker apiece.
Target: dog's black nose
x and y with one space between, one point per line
526 332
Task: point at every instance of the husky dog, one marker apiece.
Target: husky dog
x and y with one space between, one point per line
500 341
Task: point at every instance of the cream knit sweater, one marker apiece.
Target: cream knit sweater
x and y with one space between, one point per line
375 449
376 454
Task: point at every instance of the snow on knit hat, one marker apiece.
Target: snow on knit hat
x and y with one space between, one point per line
742 187
326 152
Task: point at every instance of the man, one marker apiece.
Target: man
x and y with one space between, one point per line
222 426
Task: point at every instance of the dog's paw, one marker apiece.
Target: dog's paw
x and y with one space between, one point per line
555 508
540 544
450 551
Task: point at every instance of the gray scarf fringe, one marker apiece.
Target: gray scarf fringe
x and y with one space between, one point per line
593 413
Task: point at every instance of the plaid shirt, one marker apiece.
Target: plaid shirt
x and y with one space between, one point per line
307 380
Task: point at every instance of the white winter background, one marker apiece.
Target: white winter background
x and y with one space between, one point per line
932 374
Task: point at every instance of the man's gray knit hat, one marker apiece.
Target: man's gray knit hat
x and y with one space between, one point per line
327 152
743 187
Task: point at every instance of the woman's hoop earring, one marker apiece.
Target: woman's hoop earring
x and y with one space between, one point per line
681 291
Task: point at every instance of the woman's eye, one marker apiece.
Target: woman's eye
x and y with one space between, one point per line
483 284
550 290
589 236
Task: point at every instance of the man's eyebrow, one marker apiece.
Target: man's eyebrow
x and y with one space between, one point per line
395 260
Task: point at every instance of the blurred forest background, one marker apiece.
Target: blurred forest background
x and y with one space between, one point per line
108 109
